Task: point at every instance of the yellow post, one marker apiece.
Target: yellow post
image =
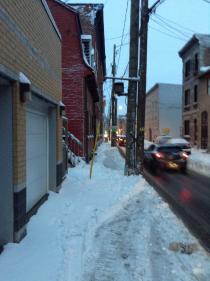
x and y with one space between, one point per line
94 149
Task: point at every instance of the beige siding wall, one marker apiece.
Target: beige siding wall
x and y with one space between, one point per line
30 44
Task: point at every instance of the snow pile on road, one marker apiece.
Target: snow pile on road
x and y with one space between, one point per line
199 161
109 228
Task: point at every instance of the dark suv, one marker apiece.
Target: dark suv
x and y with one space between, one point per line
165 157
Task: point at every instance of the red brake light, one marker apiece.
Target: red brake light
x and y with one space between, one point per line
184 155
158 155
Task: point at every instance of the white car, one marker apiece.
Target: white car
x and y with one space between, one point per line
185 145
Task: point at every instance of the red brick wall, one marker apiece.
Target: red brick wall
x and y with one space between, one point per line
73 69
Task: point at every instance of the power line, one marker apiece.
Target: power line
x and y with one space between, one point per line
185 33
167 34
126 11
170 29
207 1
117 37
125 70
173 22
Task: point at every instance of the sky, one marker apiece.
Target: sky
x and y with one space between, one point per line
170 27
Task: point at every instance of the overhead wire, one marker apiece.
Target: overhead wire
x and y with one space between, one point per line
122 38
176 29
167 34
173 22
171 30
117 37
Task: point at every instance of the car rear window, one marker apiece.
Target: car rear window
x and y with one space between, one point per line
169 149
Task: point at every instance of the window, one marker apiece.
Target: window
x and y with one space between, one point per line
204 129
187 68
195 131
187 127
195 94
187 97
196 64
209 87
87 47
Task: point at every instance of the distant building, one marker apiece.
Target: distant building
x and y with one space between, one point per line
121 124
196 90
163 111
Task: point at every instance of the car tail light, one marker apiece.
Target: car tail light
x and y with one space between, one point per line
159 155
184 155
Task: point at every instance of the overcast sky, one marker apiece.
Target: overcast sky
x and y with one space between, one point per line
169 29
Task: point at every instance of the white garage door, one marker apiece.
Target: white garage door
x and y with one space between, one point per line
36 157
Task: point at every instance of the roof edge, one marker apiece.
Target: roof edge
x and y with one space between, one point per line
44 3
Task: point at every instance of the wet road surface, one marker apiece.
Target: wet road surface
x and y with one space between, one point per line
189 196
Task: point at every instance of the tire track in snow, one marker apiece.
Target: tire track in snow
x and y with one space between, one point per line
116 254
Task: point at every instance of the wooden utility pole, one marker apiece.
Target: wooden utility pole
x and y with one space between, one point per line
130 161
142 86
114 102
145 14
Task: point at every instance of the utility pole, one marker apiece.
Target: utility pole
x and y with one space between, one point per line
142 86
130 160
145 14
114 102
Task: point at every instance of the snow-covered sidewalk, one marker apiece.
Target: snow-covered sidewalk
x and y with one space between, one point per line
109 228
199 162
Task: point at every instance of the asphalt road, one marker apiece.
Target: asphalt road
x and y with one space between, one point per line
189 196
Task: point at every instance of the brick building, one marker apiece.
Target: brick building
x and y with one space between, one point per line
83 69
30 121
196 90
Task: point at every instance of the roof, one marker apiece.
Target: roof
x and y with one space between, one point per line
201 39
157 85
66 6
44 3
94 11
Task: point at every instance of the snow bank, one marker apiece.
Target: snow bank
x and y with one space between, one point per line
199 162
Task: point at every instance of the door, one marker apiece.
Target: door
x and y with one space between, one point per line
6 176
36 157
204 130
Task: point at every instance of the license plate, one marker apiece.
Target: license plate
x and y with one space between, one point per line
172 165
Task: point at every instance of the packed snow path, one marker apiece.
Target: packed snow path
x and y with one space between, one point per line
110 228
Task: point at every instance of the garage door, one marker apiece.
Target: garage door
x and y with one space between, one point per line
36 157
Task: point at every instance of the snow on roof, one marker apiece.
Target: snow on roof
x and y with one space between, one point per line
204 68
24 79
202 39
88 9
177 141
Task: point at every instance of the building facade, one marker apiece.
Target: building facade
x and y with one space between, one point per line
82 72
163 111
196 90
30 121
92 22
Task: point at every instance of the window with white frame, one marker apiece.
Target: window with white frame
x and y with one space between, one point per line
88 49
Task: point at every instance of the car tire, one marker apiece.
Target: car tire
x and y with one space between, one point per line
184 170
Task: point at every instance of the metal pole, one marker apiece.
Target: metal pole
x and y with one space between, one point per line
114 109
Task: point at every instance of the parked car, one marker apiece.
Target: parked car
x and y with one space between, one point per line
121 139
184 144
162 139
166 156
